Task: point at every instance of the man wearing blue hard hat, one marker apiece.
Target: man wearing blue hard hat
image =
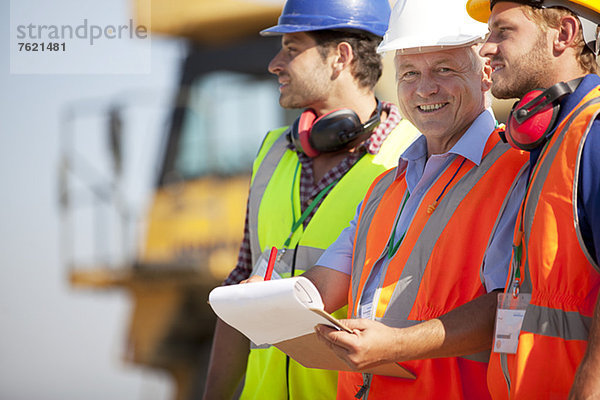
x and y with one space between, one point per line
308 179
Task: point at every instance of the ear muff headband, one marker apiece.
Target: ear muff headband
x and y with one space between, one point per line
532 118
332 131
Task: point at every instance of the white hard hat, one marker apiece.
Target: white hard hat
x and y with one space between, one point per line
418 26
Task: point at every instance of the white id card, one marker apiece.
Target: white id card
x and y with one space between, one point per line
509 319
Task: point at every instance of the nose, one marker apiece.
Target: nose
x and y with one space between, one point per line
427 86
276 63
488 49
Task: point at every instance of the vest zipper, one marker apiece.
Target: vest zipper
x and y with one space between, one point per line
363 391
382 258
287 376
504 366
503 356
287 358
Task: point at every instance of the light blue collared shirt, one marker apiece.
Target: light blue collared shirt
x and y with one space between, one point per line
421 173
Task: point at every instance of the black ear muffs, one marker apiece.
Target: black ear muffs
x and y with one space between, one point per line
532 119
330 132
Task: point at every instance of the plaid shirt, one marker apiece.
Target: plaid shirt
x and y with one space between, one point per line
309 190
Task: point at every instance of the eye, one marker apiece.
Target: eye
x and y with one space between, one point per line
290 49
502 31
408 76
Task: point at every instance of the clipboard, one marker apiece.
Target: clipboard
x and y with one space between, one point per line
283 313
311 352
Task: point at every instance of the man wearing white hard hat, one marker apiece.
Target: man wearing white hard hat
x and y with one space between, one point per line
431 241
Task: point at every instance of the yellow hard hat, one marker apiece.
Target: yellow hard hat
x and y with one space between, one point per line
480 10
588 12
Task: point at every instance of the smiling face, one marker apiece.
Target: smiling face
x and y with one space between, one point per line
304 77
441 93
519 52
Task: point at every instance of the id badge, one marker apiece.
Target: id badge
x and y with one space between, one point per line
509 319
260 268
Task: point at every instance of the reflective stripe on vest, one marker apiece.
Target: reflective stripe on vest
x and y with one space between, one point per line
437 267
272 185
270 218
432 227
558 271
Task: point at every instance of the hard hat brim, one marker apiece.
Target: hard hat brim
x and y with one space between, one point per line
282 29
279 30
408 46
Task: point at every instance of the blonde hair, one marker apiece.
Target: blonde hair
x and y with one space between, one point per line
547 18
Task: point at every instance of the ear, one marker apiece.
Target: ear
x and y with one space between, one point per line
486 76
343 57
567 34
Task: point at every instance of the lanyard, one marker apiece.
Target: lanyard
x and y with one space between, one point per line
430 209
393 247
297 224
518 243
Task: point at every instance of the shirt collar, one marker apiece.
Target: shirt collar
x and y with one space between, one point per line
374 142
470 146
567 105
569 102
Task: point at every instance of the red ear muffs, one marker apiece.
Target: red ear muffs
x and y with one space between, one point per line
527 126
305 124
532 118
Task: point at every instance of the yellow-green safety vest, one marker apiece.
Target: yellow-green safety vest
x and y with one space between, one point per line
270 374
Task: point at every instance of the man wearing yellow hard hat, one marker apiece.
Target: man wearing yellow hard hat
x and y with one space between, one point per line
544 52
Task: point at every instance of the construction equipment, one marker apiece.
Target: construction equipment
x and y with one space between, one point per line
195 222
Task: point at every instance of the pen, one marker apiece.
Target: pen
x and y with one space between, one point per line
271 263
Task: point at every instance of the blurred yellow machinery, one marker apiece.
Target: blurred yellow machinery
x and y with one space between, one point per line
194 225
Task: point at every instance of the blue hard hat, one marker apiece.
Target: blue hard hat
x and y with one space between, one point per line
311 15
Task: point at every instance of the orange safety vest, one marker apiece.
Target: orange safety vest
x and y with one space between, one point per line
557 270
436 268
